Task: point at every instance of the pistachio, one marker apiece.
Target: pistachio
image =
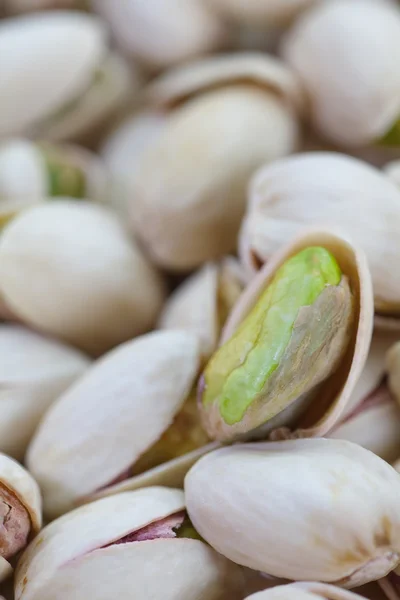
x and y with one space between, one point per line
34 371
305 591
393 368
332 188
223 117
133 541
20 511
202 303
293 328
75 81
69 269
239 497
353 102
49 170
135 396
159 35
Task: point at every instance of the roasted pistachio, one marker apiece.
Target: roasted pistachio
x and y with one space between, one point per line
139 541
138 397
294 327
69 269
239 497
305 591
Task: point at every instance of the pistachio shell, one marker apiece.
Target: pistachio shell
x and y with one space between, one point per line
202 302
34 371
21 6
353 102
305 591
66 49
20 511
304 485
159 34
317 417
373 424
393 369
132 396
87 553
331 188
271 13
108 292
49 170
392 170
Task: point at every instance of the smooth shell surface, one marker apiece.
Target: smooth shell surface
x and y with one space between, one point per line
333 395
97 430
53 76
353 101
305 591
333 189
160 34
34 371
79 555
238 497
69 269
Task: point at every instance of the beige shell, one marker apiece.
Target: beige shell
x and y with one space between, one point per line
34 371
334 394
336 190
393 369
132 395
203 301
266 14
353 101
60 79
305 591
20 484
227 116
304 486
108 291
160 34
78 556
392 170
18 155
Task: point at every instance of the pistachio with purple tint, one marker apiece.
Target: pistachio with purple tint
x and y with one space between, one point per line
293 338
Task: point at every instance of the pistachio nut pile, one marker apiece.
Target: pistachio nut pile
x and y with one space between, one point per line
200 299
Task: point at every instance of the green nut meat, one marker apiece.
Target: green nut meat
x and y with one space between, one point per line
293 338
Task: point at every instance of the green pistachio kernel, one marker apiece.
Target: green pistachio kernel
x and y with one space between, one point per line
64 177
274 339
392 136
186 530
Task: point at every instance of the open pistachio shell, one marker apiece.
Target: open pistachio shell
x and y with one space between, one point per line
353 102
203 301
238 497
160 35
50 170
305 591
335 189
34 371
131 541
235 403
373 424
226 116
267 14
133 395
108 291
71 81
20 511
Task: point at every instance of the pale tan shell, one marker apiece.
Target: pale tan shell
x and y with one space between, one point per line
239 512
353 102
331 189
59 99
194 306
392 170
266 14
160 34
74 555
334 394
305 591
393 369
132 395
14 477
108 291
190 185
34 371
